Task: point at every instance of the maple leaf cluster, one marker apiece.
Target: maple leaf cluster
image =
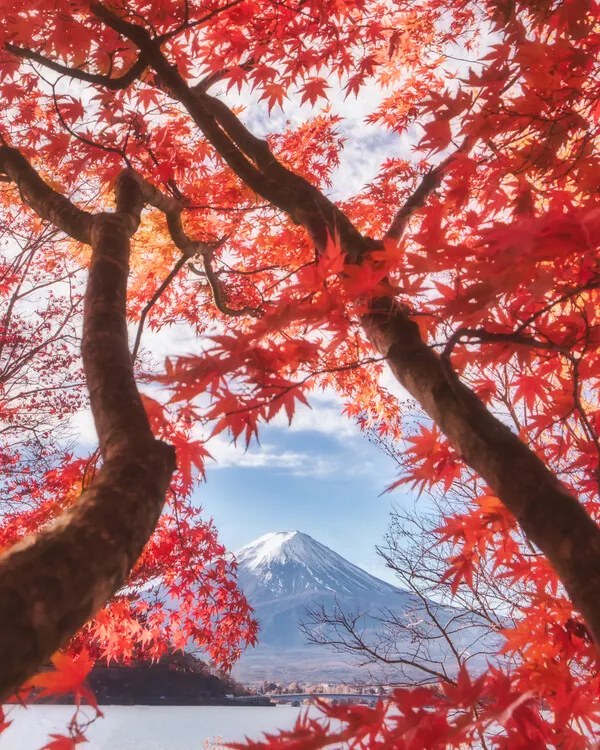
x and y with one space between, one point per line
487 243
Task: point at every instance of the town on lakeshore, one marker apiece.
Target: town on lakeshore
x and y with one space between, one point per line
304 693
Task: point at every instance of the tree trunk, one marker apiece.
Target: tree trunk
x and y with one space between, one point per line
549 515
52 583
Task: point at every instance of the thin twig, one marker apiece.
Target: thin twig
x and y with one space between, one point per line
153 300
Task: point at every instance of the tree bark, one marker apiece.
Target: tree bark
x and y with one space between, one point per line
549 515
52 583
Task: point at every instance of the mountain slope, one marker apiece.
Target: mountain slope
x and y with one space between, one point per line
285 573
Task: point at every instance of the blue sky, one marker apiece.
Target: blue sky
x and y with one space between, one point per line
321 476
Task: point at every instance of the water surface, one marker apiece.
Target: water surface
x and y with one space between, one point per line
148 727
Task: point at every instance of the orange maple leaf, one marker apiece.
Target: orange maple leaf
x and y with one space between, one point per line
62 742
68 677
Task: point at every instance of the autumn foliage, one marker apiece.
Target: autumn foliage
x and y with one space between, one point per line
469 265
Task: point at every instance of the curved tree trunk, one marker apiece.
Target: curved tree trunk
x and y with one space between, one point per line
52 583
549 515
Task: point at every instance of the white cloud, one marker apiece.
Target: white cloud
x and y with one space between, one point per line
82 424
325 417
227 455
173 340
341 465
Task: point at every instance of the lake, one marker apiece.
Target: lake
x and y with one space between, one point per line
148 727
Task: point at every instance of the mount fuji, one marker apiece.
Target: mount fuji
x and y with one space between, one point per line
290 563
284 574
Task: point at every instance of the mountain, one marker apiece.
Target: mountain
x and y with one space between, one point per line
289 563
284 574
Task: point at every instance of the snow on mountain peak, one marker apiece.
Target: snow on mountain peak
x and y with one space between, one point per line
277 546
290 562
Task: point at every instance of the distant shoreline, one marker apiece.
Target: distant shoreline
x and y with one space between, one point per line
167 702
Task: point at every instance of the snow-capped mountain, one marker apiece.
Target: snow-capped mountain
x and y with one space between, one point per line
284 574
285 563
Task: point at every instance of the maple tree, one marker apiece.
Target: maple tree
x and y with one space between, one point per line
470 271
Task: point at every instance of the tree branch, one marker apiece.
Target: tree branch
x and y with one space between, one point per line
45 201
488 337
430 182
219 75
153 300
114 84
217 293
198 21
172 209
